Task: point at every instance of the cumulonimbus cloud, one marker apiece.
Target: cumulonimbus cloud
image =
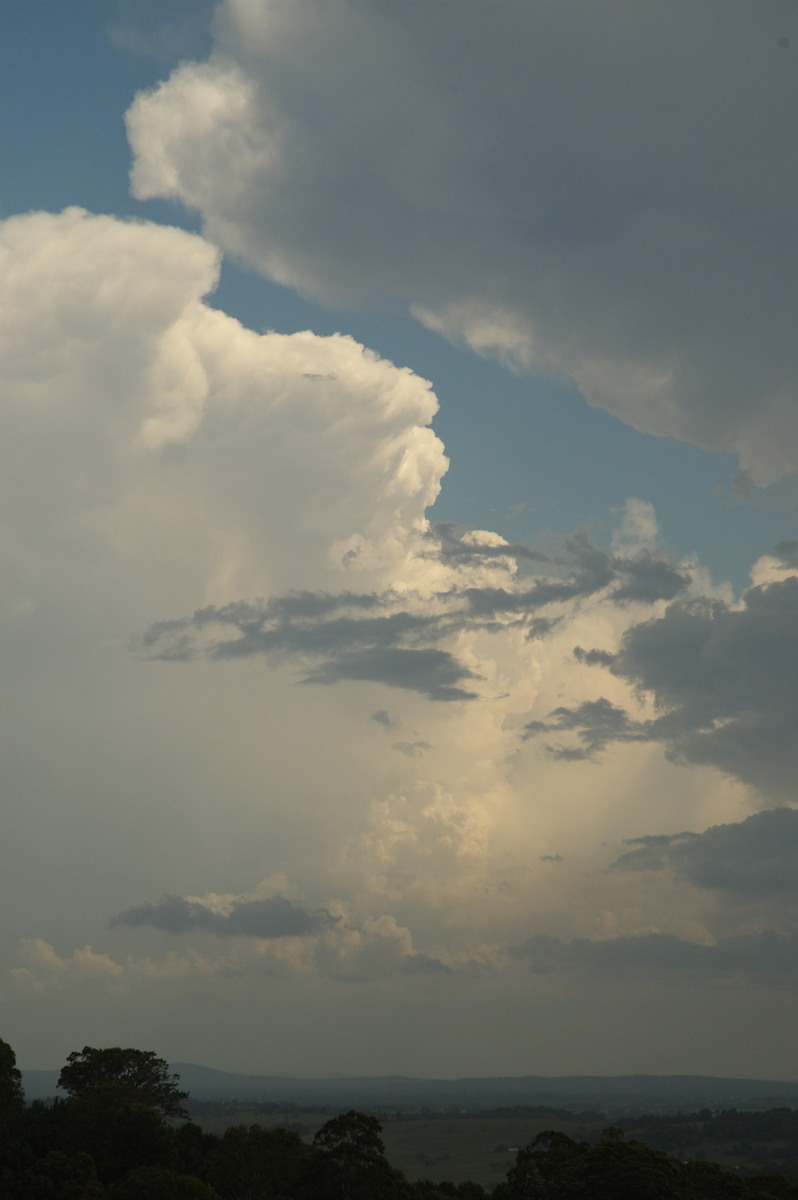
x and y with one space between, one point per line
162 460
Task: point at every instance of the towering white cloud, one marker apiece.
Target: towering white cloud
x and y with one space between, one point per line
163 419
286 721
158 457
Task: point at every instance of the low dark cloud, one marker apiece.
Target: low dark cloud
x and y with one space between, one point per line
351 637
648 578
412 749
755 857
274 917
393 639
435 673
574 569
541 627
383 717
596 723
425 964
768 955
289 623
723 679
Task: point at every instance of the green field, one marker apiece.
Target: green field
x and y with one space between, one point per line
458 1148
454 1148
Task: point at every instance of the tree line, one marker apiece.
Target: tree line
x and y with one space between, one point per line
120 1133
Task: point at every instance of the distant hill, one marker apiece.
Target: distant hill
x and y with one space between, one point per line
613 1094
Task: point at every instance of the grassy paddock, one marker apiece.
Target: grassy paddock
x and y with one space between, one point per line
454 1148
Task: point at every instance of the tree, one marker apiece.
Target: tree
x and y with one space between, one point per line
12 1114
115 1078
59 1176
544 1166
193 1148
253 1163
353 1158
554 1167
156 1183
617 1167
12 1098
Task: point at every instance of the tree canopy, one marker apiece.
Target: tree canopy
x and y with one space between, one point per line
12 1098
116 1077
353 1157
555 1167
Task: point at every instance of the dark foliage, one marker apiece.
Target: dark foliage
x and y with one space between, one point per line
116 1078
351 1160
554 1167
253 1163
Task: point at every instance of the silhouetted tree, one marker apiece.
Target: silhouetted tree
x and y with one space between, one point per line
352 1159
12 1113
616 1167
157 1183
253 1163
115 1078
193 1149
118 1103
59 1176
12 1097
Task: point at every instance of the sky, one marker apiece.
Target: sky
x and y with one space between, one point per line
398 494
